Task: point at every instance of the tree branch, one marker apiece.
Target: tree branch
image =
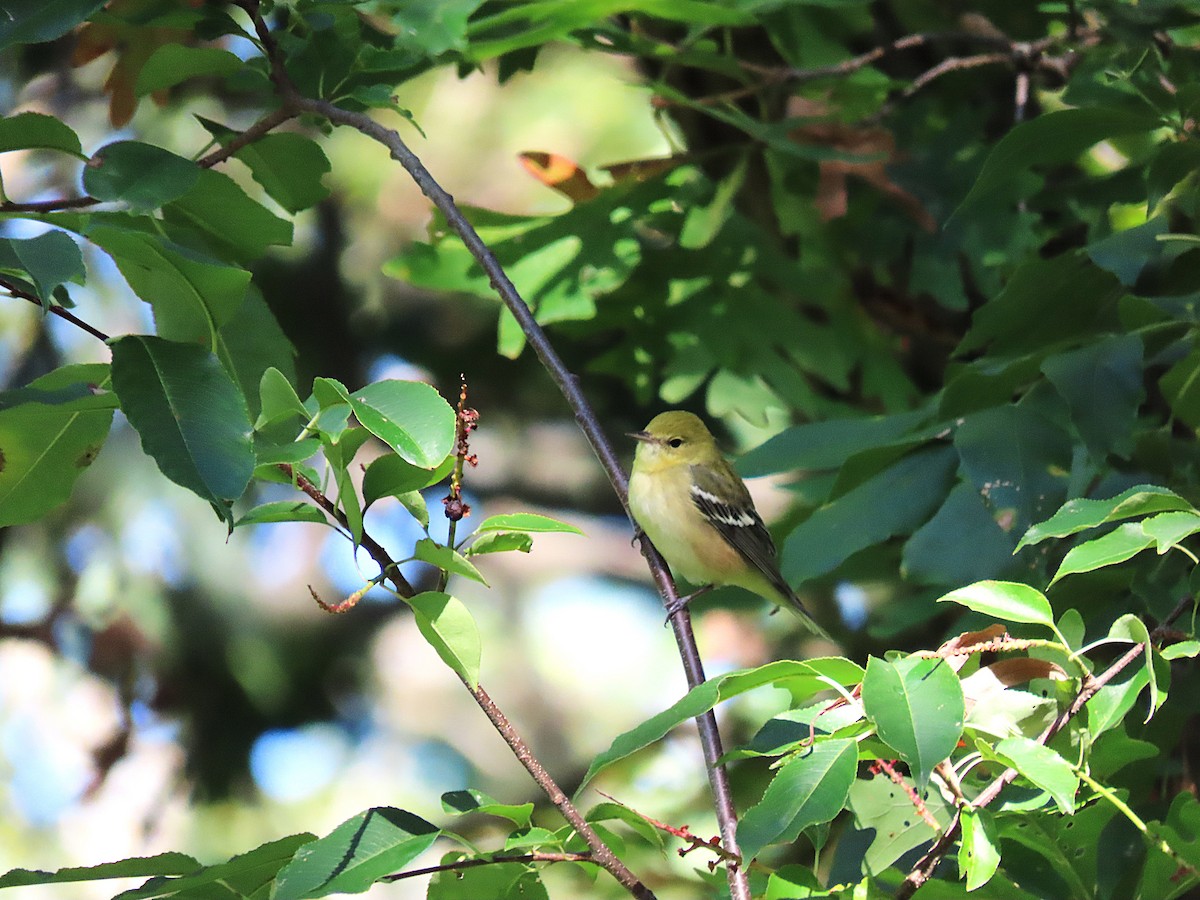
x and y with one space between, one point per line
585 416
475 862
293 102
56 310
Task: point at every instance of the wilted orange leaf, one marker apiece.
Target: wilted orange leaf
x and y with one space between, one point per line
561 174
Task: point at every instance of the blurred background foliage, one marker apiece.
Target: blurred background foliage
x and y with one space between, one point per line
935 285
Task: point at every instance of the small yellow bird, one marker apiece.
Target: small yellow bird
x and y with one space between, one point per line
688 500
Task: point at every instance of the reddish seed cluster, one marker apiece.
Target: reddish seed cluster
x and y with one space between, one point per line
455 508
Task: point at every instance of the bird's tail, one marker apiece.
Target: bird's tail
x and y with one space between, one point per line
810 623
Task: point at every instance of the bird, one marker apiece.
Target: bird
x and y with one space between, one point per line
695 508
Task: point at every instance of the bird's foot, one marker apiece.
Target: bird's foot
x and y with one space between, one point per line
680 603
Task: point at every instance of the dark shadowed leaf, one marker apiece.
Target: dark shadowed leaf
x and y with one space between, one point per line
140 175
50 432
190 416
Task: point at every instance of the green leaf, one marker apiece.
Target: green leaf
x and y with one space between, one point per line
414 502
607 812
39 21
1127 253
529 523
339 453
1017 459
1043 767
288 166
1052 138
1102 384
500 542
292 452
1130 628
448 627
390 476
471 800
136 867
282 511
884 817
937 553
1079 515
278 399
896 501
1170 528
249 874
446 558
1181 386
50 432
1108 707
190 416
979 850
825 445
408 416
173 63
809 789
359 852
192 295
1172 164
1006 600
1184 649
802 679
35 131
1122 543
50 259
495 881
235 226
918 709
1018 320
140 175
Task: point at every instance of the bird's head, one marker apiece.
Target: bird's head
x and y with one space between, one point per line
675 438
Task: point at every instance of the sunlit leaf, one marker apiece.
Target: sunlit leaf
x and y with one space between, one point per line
355 855
918 709
1006 600
449 628
1081 514
809 788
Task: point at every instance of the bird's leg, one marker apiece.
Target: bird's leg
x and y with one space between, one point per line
680 602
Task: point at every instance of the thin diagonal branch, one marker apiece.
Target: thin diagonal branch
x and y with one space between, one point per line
586 418
475 862
293 102
56 310
372 546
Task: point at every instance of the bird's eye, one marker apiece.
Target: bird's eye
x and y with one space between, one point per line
675 442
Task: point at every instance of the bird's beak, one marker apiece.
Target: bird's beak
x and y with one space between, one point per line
644 436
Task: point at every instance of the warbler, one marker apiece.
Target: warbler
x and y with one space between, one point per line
687 499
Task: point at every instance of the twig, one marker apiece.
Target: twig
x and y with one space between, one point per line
259 129
466 420
256 131
476 862
694 842
925 866
885 766
56 310
372 546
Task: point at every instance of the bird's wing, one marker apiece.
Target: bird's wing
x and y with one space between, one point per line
738 521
